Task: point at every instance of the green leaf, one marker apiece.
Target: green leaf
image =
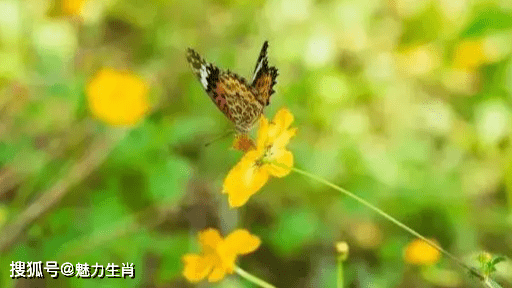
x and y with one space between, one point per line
167 180
30 161
107 209
171 249
133 147
133 188
488 21
497 260
7 152
296 228
424 28
140 145
188 129
63 231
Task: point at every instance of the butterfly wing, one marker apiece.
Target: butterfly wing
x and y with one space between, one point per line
264 77
207 73
209 76
230 92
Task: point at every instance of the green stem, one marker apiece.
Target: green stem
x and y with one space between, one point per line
252 278
340 273
222 136
472 270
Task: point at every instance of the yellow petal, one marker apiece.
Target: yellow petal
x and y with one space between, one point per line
245 179
282 120
227 257
282 139
241 193
231 182
283 157
242 242
262 133
196 267
217 274
209 239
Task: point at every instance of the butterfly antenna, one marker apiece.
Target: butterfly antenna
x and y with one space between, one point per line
222 136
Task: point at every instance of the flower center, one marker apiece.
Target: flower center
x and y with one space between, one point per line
267 156
268 153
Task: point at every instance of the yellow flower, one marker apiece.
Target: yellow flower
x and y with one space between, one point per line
342 249
72 7
469 55
419 252
257 165
117 98
218 255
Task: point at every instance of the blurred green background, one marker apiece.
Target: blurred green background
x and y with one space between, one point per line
405 103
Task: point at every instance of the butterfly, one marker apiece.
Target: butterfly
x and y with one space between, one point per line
241 102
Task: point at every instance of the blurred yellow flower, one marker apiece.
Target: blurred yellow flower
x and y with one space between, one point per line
257 165
218 255
419 252
419 60
342 249
469 55
72 7
117 98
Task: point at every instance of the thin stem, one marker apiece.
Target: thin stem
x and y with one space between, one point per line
387 216
339 283
222 136
252 278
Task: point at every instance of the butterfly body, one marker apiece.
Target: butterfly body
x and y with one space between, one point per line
241 102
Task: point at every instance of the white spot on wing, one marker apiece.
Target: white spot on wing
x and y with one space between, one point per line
204 75
257 69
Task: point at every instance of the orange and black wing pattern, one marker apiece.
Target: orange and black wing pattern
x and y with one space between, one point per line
230 92
209 76
242 103
264 77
